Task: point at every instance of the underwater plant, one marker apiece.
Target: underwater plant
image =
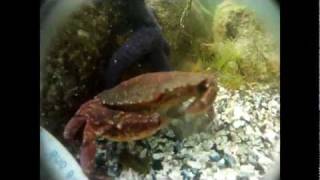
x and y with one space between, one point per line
185 25
242 50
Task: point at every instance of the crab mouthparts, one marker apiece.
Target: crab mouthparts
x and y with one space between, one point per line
187 103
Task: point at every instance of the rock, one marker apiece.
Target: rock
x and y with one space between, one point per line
175 175
263 160
194 164
114 170
143 154
187 175
226 174
221 163
270 136
242 177
214 156
230 161
207 145
247 170
240 113
158 156
83 33
238 123
252 159
170 134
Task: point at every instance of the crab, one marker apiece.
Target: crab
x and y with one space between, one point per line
138 108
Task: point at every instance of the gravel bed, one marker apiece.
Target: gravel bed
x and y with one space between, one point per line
243 143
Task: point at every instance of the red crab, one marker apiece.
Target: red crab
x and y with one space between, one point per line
138 108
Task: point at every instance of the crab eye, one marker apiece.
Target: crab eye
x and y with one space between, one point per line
202 87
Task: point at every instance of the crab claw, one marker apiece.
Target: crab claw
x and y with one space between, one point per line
82 118
204 102
78 121
100 121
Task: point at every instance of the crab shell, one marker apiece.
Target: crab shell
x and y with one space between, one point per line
156 90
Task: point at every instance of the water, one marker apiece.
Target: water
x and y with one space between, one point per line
186 48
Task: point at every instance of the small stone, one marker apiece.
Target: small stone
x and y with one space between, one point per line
175 175
238 123
83 33
221 163
207 145
247 170
194 164
187 175
158 156
214 156
227 174
114 170
253 159
230 161
242 177
270 136
170 134
143 154
263 160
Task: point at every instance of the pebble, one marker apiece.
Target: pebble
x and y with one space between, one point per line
238 123
187 175
83 33
244 134
194 164
175 175
221 163
214 156
143 154
247 170
158 156
230 161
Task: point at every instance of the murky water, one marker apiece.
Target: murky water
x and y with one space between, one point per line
238 41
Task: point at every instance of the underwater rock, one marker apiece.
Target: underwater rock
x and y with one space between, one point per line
183 34
221 163
247 170
158 156
215 156
194 164
230 161
143 154
242 177
71 64
227 174
238 123
242 50
187 175
175 175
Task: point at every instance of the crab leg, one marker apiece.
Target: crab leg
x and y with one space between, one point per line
203 102
88 150
73 127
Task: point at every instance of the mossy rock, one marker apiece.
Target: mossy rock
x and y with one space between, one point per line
242 51
184 39
72 67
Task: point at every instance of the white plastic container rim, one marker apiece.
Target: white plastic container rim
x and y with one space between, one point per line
58 160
